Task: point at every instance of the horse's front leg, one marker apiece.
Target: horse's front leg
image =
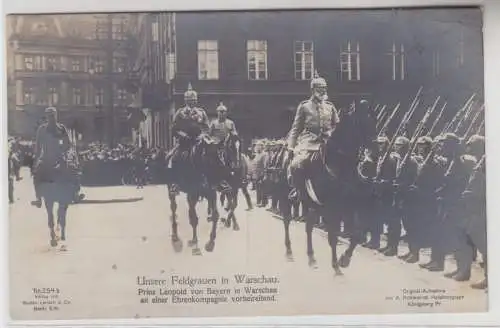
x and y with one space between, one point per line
176 241
212 199
233 206
356 236
193 221
333 229
49 206
310 221
62 212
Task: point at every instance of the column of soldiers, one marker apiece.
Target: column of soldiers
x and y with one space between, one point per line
436 192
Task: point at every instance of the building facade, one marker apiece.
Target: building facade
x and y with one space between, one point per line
153 65
260 63
77 63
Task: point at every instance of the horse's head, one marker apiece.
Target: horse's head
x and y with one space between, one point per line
233 148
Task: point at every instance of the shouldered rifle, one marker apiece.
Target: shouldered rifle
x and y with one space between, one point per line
389 119
436 121
458 114
467 133
418 130
403 122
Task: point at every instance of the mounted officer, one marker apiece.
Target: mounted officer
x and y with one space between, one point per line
219 130
315 120
189 123
51 146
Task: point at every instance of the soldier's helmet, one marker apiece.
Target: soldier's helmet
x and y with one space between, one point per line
382 140
318 82
449 139
402 141
50 110
476 142
190 94
221 108
424 141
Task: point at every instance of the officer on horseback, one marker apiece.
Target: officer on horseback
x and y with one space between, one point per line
315 120
52 143
189 123
220 129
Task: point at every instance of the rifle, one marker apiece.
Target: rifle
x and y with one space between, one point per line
404 121
464 118
437 119
386 123
381 113
474 119
481 126
413 142
458 114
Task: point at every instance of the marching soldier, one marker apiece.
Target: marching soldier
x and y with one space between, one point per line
449 194
404 176
189 123
52 143
259 166
315 120
474 199
422 203
471 220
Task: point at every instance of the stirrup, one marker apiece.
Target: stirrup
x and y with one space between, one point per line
294 195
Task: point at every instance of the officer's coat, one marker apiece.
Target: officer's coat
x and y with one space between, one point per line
220 130
312 120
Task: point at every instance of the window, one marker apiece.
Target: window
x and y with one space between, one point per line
38 63
53 96
257 60
52 63
77 96
398 62
28 63
75 65
96 64
350 62
119 65
119 30
435 63
99 96
208 60
28 96
155 33
304 60
121 96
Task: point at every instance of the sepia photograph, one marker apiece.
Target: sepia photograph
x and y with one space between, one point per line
246 163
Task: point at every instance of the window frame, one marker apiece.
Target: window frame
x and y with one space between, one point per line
204 53
303 52
256 52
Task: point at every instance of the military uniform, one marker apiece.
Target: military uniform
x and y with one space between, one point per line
219 130
189 123
314 121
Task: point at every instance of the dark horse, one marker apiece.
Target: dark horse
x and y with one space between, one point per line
195 178
237 165
332 185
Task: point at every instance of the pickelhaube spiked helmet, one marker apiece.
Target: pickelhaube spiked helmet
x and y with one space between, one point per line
221 107
317 81
190 93
424 140
402 141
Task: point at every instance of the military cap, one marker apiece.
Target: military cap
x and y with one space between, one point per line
476 140
50 110
221 107
449 137
382 139
424 140
402 141
317 81
190 93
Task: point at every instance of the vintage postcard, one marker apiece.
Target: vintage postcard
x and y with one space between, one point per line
246 163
